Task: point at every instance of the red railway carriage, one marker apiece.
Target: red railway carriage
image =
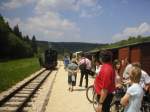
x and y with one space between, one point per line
123 53
145 57
137 52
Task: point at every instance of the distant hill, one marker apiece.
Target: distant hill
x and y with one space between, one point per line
68 47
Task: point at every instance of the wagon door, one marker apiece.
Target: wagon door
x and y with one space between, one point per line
135 54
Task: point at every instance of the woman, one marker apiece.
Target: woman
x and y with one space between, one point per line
98 66
133 98
117 67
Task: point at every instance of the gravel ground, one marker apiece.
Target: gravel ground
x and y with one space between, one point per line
61 100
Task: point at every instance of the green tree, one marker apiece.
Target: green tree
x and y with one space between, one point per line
27 39
4 45
12 45
17 31
19 48
34 44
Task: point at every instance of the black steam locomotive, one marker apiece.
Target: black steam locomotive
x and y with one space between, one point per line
50 57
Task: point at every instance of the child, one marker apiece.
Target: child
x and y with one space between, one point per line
72 74
133 98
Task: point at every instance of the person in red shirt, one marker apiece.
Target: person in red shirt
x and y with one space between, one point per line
104 83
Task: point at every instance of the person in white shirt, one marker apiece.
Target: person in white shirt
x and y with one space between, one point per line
145 78
97 67
133 98
127 71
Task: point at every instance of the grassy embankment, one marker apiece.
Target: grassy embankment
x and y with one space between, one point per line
14 71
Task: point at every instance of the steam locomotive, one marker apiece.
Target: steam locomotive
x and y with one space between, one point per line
50 59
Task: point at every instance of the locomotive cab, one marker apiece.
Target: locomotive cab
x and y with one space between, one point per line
50 59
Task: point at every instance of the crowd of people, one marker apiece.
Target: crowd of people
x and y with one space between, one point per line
109 77
71 65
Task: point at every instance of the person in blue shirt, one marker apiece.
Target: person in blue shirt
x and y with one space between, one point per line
66 62
72 74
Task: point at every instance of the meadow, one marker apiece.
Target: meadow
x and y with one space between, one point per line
14 71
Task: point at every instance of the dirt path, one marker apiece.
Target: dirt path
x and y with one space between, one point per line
61 100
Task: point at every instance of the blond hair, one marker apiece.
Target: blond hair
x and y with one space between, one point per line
135 74
136 64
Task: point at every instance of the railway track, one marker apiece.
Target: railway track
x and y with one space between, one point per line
20 98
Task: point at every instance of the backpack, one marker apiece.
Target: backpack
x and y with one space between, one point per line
83 66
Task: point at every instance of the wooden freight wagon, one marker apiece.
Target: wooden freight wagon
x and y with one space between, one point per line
139 52
144 56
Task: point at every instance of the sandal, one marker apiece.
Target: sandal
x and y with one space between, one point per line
71 90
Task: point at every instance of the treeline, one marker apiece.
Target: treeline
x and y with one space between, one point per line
129 41
13 44
67 47
71 47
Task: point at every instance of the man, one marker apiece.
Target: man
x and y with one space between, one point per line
40 61
85 66
105 83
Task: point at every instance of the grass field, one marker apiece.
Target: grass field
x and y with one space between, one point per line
13 71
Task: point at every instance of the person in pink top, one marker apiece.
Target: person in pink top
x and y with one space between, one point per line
85 66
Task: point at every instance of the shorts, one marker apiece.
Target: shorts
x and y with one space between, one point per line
72 79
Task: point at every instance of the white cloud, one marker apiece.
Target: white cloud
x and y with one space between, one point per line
89 3
142 29
47 22
49 26
13 22
42 6
12 4
95 11
92 7
55 5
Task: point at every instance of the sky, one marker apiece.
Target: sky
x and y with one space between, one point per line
93 21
